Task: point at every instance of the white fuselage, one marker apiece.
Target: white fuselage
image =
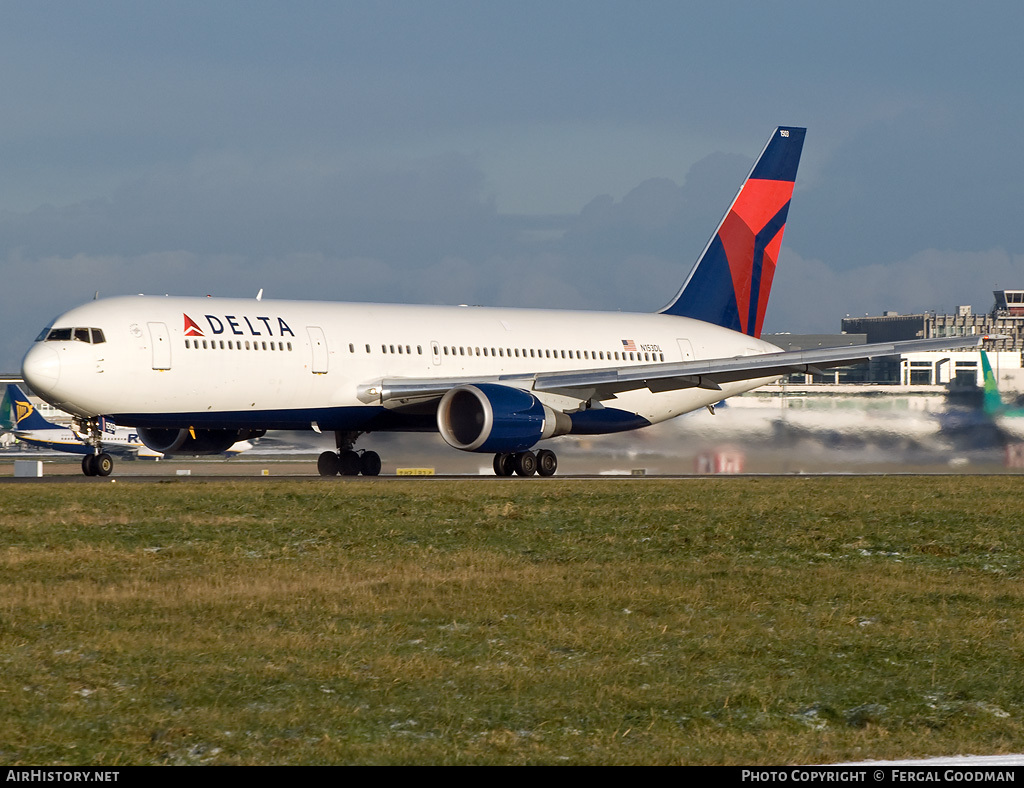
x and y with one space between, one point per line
177 361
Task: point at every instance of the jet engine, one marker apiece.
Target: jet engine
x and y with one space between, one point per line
175 441
487 417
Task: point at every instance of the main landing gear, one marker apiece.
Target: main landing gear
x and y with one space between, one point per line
526 463
346 461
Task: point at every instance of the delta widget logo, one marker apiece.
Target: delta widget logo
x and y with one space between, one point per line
191 329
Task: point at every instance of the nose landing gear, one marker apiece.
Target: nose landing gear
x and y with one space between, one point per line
101 464
98 463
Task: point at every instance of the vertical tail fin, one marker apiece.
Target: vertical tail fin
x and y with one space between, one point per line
6 412
21 412
731 281
992 400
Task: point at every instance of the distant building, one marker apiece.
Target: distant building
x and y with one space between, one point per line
1006 318
948 368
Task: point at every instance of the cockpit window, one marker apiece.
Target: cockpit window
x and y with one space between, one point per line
92 336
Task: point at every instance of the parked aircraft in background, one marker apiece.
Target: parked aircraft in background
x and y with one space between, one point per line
1008 418
19 416
197 374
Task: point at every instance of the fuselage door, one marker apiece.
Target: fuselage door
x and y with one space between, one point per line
685 349
435 352
161 345
318 343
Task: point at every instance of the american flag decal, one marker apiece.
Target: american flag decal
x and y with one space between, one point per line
628 344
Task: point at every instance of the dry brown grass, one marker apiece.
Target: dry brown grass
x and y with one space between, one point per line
711 621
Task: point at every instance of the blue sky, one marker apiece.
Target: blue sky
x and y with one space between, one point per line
550 154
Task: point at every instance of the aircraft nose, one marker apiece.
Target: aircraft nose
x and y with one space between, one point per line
41 368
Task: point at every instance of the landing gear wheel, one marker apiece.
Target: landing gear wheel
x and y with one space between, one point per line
504 464
525 463
369 464
547 462
89 465
349 462
104 464
328 464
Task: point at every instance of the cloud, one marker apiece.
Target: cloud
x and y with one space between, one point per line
409 212
810 297
427 231
924 177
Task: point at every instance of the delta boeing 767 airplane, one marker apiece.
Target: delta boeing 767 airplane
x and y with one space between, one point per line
196 375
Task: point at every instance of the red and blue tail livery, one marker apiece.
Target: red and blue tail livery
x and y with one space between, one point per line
730 284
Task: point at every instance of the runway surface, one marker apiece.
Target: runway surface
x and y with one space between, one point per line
450 465
256 473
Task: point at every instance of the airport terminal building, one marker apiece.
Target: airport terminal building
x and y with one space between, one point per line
953 368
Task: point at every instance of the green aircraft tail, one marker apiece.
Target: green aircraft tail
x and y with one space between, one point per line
6 412
992 401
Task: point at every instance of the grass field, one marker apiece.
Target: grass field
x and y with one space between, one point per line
738 621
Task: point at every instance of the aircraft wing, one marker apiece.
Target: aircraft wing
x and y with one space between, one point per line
707 374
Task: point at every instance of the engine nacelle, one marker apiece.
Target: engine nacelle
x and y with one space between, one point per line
488 417
175 441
